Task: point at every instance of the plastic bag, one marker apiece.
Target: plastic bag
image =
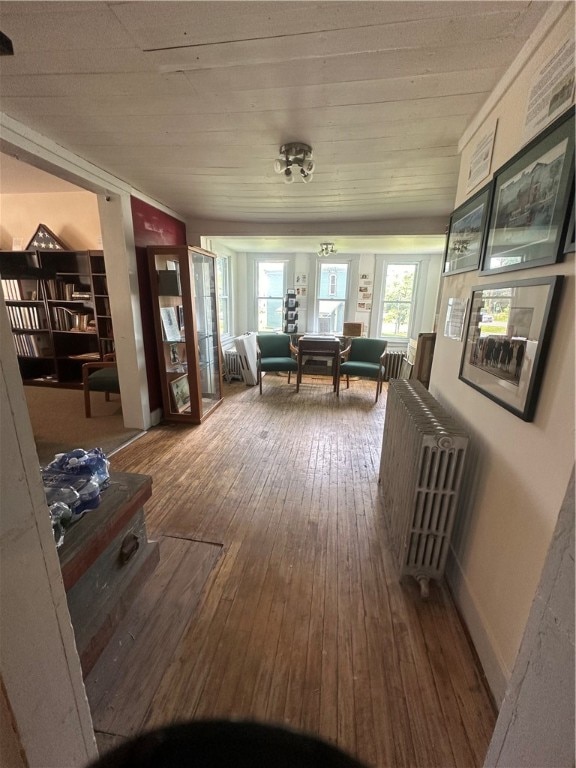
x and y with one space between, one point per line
80 493
80 462
60 516
72 483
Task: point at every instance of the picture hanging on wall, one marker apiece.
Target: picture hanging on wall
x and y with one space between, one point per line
569 244
466 232
530 205
45 240
508 332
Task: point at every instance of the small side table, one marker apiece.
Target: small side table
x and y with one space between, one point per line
320 346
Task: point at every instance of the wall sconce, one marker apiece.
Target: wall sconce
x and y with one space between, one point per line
295 160
326 249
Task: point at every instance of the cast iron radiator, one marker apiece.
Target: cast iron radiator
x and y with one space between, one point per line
232 368
421 469
392 365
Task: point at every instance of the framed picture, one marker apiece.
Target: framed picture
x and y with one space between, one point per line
532 192
180 393
569 244
466 232
508 331
170 327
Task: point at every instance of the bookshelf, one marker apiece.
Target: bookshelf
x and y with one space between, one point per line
59 311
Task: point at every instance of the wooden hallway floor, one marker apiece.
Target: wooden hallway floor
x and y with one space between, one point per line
302 620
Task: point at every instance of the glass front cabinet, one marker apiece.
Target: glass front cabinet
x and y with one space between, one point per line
183 280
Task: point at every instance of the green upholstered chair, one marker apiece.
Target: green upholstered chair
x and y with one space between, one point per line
364 358
275 353
100 376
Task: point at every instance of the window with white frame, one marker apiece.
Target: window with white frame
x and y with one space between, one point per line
223 287
331 296
398 300
270 289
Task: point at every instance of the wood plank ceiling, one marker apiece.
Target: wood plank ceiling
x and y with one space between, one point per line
190 101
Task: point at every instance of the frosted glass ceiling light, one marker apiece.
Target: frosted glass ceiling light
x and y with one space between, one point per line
295 160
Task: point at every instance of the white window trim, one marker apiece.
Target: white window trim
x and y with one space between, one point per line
225 260
353 261
382 262
254 259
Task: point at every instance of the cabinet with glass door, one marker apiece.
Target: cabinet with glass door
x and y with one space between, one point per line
186 321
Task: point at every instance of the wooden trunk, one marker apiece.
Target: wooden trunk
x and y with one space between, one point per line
105 559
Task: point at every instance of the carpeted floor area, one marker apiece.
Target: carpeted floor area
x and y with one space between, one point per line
59 424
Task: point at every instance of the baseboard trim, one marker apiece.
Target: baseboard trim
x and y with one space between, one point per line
497 675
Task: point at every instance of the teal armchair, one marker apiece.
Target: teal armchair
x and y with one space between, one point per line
275 353
364 358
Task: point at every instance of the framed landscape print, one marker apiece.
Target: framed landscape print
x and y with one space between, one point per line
180 393
532 193
508 332
466 232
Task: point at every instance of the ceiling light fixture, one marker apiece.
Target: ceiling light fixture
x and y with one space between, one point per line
295 161
326 249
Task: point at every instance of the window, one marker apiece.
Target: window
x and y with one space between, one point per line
271 279
223 286
331 297
399 289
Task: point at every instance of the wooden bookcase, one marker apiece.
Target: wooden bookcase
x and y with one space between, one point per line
59 310
184 304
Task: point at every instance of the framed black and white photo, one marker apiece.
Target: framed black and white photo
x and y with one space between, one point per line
508 332
530 205
466 232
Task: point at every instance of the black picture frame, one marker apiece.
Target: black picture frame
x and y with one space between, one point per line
569 242
508 331
466 233
530 202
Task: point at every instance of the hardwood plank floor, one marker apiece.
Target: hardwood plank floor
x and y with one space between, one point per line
305 622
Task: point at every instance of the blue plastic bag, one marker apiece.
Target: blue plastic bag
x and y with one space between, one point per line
92 463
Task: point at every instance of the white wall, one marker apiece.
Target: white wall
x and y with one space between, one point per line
535 726
71 216
520 470
39 664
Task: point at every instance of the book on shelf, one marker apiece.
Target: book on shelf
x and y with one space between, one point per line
11 290
33 345
24 317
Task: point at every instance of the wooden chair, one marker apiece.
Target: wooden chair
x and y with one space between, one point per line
364 358
275 354
100 376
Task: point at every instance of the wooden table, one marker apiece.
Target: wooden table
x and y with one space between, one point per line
320 346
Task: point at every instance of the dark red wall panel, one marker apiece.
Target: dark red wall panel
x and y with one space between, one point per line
152 227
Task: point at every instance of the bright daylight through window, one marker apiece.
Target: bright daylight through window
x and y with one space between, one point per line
332 292
271 282
398 301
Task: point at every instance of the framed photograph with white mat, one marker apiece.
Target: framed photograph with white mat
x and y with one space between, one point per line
508 332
